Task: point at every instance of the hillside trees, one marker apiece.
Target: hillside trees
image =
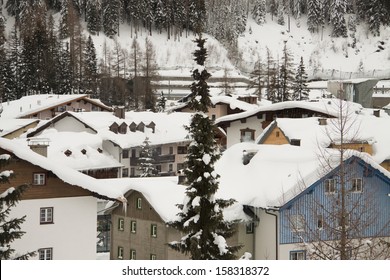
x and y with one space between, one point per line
201 217
301 91
259 11
286 73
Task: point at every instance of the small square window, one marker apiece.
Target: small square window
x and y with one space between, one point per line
249 228
120 253
277 133
125 153
133 226
39 179
139 203
153 257
46 215
357 185
170 167
125 172
170 150
45 254
298 255
133 255
330 186
121 224
153 230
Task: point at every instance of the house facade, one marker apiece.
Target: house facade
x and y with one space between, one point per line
60 205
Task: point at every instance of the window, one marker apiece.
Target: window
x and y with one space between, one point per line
329 186
125 172
139 203
247 135
320 222
120 253
277 133
213 117
153 257
46 215
158 151
357 185
133 153
133 226
170 150
182 150
297 255
153 230
170 167
297 223
125 153
133 255
39 179
45 253
249 228
132 172
121 224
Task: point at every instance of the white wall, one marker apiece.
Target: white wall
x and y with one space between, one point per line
72 235
234 130
71 124
265 244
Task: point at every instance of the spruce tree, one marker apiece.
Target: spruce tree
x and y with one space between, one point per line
3 56
161 102
10 228
111 17
259 11
337 18
93 16
286 75
257 77
201 218
90 68
146 160
301 91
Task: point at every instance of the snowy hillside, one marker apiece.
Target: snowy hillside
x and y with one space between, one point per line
324 56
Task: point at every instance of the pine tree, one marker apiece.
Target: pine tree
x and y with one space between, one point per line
313 15
149 69
93 16
281 13
259 11
337 18
374 16
161 103
257 77
65 71
111 17
301 91
10 228
286 75
146 160
90 68
3 57
201 218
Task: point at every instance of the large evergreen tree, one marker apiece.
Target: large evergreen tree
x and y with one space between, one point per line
10 228
90 68
146 162
301 91
201 218
286 75
337 18
259 11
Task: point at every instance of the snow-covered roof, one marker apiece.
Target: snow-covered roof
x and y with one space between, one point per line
330 107
169 128
164 193
10 125
275 174
232 101
32 104
63 172
359 128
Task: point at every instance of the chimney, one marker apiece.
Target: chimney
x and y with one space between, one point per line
377 113
39 145
119 112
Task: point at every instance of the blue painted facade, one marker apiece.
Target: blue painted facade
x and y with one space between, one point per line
315 213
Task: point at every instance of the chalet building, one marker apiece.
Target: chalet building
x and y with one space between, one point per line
140 231
247 126
55 196
121 139
47 106
223 106
295 211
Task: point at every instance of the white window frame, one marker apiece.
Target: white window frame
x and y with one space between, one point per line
120 252
46 215
297 223
153 257
39 179
357 185
133 226
298 255
133 254
45 254
139 203
153 230
121 224
330 186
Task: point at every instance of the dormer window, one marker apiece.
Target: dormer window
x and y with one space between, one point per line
83 151
68 153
